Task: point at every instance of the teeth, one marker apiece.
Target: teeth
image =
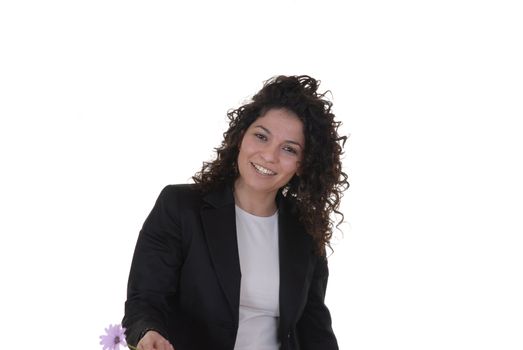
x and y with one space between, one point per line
263 170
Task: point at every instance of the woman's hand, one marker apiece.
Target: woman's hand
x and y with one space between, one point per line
154 341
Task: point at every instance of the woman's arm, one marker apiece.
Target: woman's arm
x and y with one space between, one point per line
154 270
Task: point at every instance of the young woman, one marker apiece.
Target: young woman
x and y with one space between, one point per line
237 260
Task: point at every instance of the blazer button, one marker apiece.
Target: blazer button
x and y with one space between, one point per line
289 335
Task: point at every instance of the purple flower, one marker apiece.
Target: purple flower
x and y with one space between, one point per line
113 338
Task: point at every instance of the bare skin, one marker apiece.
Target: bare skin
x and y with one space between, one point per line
270 154
154 341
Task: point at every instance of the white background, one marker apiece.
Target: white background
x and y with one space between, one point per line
103 103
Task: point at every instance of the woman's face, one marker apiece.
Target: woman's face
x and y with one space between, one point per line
271 151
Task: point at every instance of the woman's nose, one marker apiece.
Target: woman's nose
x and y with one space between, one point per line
270 154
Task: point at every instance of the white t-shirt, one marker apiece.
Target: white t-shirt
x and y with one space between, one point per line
260 283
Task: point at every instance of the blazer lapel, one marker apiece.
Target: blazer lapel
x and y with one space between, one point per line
219 224
295 248
295 251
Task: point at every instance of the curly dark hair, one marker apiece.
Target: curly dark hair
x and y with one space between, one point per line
317 191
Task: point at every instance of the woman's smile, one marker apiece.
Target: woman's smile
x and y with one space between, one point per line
263 170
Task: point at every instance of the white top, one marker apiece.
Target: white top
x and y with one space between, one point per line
260 283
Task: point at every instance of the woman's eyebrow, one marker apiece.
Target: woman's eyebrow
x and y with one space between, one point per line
269 132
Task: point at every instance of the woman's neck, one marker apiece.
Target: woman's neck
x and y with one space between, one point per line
255 203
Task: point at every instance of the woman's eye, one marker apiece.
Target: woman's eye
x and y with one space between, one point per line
290 150
261 137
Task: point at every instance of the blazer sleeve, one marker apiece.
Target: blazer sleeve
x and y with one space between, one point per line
314 328
154 270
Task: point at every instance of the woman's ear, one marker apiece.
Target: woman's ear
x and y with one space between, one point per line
298 171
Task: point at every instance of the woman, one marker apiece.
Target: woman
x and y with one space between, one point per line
237 260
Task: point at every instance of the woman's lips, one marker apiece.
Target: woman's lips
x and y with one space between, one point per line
262 170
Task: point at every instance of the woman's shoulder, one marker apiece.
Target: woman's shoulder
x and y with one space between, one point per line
182 191
192 198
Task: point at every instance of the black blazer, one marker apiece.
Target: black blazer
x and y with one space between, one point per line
185 275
